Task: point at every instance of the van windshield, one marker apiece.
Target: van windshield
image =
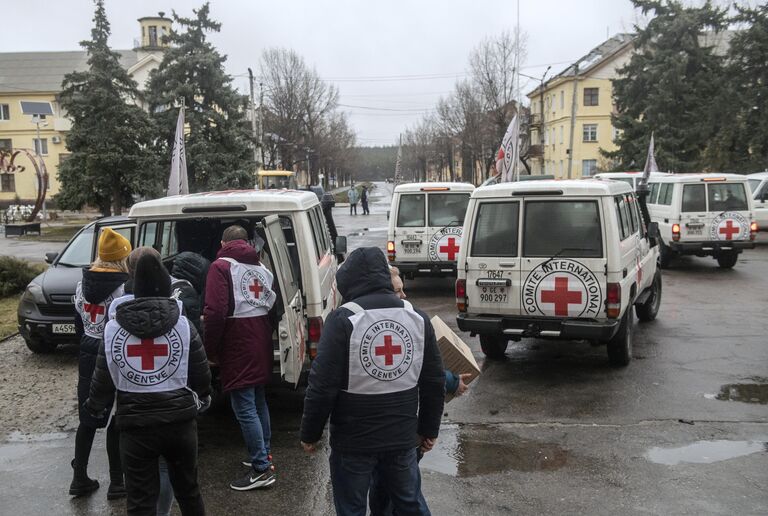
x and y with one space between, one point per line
78 253
445 209
754 183
727 197
571 228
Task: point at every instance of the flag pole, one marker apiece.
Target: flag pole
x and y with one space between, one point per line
517 71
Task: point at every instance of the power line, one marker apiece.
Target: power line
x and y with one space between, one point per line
373 108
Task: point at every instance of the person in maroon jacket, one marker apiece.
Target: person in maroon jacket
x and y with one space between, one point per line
238 337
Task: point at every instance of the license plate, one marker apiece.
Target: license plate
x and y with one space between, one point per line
493 295
411 248
68 329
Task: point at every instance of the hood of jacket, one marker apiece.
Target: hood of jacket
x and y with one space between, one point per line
98 285
148 317
191 267
365 271
241 251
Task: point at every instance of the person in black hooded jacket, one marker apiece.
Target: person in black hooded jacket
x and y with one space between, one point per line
379 376
189 272
155 360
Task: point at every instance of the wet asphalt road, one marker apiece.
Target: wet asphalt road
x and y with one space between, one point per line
549 430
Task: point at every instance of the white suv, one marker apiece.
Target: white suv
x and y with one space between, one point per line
557 259
758 183
703 215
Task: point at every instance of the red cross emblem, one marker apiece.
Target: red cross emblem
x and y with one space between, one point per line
256 288
94 310
728 230
147 350
388 350
561 297
451 249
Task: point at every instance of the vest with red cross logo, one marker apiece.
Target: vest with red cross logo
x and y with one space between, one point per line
157 364
386 349
94 315
252 289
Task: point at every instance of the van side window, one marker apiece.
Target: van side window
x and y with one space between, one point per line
622 216
654 193
632 209
410 213
168 243
665 193
727 197
323 237
496 229
694 198
148 233
317 234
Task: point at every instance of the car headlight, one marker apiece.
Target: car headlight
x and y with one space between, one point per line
34 293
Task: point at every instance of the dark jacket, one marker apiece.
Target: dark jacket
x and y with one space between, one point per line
96 286
191 269
149 318
368 423
242 347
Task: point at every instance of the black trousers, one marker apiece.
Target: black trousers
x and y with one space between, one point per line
140 449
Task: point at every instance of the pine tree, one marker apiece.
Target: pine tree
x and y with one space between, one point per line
218 148
110 141
670 87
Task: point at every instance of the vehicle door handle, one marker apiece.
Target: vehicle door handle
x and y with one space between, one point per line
283 334
507 264
421 231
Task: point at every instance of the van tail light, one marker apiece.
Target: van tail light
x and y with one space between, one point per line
391 251
675 232
461 295
315 330
753 230
613 300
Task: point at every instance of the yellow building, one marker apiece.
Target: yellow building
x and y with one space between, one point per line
37 77
571 113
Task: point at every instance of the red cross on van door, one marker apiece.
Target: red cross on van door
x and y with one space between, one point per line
388 350
451 249
147 350
729 230
256 288
561 297
94 309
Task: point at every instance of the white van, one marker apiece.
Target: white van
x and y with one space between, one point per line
425 227
631 178
703 215
557 259
298 250
758 183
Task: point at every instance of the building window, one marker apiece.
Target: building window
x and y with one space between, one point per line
614 133
588 167
562 100
6 143
7 183
152 36
546 137
561 168
553 136
590 96
41 146
5 112
590 132
561 135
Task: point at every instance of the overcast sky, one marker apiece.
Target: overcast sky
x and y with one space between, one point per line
378 52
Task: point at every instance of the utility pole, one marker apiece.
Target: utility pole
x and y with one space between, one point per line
261 121
573 116
253 120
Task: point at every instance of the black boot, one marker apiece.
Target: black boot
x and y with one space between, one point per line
82 485
116 485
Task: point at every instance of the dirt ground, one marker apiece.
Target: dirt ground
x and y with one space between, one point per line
37 392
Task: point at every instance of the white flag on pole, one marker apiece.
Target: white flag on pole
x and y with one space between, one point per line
177 182
398 163
650 163
508 155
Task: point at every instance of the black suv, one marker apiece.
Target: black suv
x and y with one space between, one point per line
46 313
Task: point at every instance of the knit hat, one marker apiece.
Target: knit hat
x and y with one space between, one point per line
113 246
151 279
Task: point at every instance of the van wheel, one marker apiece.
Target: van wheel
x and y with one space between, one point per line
620 346
648 310
493 346
727 260
665 255
40 346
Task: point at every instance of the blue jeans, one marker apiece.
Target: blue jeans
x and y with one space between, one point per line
165 496
398 473
250 407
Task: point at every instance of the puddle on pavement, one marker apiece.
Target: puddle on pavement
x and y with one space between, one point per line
706 452
18 437
479 450
744 392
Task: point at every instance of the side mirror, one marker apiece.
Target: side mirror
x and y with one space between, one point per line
341 245
653 230
49 257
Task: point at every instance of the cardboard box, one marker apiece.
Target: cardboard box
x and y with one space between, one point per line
457 357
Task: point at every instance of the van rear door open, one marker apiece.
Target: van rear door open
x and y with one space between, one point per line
291 328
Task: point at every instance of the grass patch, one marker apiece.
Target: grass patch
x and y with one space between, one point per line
8 307
55 233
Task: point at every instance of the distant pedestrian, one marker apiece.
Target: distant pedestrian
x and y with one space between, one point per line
379 376
238 337
155 360
353 196
101 284
364 201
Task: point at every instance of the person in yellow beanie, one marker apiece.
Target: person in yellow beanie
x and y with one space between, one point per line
101 283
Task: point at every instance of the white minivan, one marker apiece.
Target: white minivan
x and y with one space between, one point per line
758 183
703 215
426 222
298 250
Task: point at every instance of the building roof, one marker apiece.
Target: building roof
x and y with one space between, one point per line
26 72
